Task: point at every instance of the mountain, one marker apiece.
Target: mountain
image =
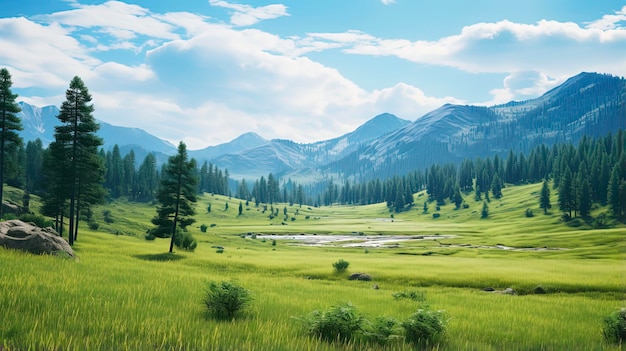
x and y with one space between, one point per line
39 122
293 160
243 142
588 104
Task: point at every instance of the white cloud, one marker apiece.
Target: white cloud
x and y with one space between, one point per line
503 47
119 19
387 2
246 15
522 86
42 56
217 81
608 22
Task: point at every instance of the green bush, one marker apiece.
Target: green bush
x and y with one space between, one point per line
149 236
339 323
39 220
185 241
107 216
424 327
226 299
383 331
203 228
341 265
614 328
94 225
529 213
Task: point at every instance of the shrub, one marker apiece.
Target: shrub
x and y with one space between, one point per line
341 265
39 220
601 221
185 241
226 299
614 328
529 213
150 236
383 331
94 225
342 323
203 228
424 327
436 215
107 216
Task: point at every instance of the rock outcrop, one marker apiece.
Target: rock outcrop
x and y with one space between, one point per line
15 234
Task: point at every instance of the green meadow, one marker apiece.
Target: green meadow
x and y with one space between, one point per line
126 293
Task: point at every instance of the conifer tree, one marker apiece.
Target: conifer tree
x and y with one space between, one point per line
544 198
176 194
9 124
78 163
565 192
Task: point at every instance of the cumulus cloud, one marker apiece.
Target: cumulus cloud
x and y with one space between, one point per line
387 2
522 86
613 21
218 80
246 15
119 19
505 46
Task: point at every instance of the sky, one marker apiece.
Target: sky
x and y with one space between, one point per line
206 71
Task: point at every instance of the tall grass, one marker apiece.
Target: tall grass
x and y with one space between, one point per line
126 293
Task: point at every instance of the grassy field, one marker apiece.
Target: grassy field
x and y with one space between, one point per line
126 293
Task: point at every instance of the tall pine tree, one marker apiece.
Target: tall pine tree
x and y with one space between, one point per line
544 198
9 124
176 194
78 152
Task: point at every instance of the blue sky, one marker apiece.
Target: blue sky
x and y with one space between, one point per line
206 71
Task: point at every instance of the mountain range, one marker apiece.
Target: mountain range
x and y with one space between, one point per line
589 104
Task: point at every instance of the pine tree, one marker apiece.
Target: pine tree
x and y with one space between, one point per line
457 198
34 166
9 124
485 211
147 179
78 148
496 186
565 193
176 194
544 198
583 195
614 191
57 188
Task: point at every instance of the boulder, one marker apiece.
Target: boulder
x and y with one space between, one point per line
15 234
360 276
9 207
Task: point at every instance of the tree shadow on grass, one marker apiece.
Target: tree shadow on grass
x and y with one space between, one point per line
162 257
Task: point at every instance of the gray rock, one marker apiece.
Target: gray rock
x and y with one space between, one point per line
509 291
360 276
15 234
9 207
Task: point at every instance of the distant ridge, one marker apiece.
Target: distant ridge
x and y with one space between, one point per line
589 104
